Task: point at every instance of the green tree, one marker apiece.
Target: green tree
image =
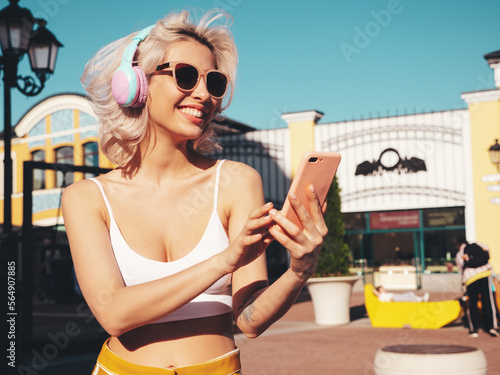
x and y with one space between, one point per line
335 254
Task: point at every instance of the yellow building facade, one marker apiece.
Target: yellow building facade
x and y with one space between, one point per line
484 200
61 129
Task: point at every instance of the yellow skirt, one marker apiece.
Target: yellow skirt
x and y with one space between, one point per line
108 363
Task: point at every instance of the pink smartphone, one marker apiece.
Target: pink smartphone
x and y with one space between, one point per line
316 168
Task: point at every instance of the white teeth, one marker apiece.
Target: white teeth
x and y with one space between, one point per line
191 112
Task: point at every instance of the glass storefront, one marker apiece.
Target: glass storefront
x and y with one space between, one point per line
422 239
393 249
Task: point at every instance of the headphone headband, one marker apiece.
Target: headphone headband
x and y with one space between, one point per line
128 55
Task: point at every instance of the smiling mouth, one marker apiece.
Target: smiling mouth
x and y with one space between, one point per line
191 112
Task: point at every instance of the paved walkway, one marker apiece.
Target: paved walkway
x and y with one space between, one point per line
296 345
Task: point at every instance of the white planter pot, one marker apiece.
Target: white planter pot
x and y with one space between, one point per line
331 298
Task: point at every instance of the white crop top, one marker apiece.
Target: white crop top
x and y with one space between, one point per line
136 269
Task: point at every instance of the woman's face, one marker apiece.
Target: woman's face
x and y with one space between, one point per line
182 115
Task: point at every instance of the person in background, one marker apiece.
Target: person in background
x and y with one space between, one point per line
385 296
169 247
472 260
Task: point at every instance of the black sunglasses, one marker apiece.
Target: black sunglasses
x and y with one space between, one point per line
187 76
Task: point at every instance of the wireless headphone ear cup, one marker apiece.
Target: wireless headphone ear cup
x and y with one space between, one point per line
124 85
129 84
141 87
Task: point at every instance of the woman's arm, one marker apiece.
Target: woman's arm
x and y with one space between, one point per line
459 258
119 308
257 305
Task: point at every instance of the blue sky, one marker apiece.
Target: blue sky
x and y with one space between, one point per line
347 59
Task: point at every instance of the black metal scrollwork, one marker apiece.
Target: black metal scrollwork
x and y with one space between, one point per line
28 86
405 165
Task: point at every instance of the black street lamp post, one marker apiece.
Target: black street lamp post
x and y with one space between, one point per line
17 38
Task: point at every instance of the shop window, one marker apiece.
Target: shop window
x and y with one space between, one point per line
64 155
444 217
355 242
90 156
358 261
393 249
354 221
38 174
440 250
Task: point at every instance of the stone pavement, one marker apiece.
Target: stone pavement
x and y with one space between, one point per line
296 345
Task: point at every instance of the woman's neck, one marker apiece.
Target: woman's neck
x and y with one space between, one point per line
161 162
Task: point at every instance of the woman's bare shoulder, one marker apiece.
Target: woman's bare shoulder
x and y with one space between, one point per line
240 173
89 188
80 187
83 192
240 185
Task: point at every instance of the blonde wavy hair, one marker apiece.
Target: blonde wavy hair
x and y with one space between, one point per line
121 129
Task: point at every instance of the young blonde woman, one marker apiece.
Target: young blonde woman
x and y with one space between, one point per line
169 246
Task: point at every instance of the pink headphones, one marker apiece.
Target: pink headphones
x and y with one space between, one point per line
129 84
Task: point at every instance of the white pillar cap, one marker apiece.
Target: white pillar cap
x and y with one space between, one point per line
292 117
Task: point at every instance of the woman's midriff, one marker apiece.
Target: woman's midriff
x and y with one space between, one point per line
176 344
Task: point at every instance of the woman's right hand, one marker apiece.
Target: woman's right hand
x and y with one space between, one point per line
252 240
304 244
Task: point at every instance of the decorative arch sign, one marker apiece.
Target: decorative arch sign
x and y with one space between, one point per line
395 220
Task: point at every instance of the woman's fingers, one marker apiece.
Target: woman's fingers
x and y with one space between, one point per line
251 239
285 224
267 238
303 243
313 224
247 246
312 220
314 205
261 211
317 211
259 218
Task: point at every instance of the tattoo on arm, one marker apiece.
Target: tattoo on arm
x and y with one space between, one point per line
248 309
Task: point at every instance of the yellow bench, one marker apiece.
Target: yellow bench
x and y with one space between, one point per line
430 315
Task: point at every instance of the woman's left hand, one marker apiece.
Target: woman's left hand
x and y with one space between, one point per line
303 244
